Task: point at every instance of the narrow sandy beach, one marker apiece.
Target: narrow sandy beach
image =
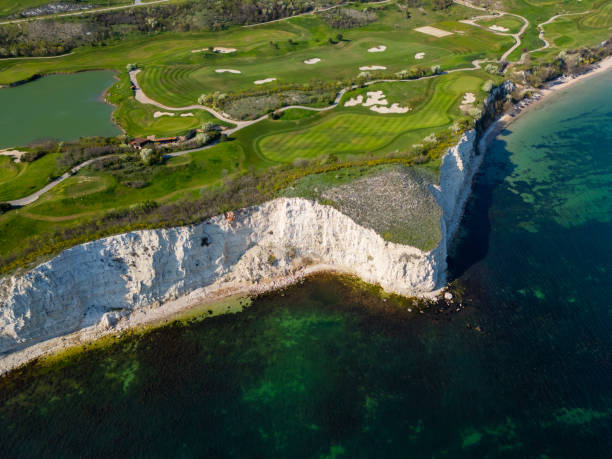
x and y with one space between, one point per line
540 96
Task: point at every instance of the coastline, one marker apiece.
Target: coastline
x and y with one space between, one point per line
523 107
217 301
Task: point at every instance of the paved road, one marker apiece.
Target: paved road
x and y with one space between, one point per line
34 196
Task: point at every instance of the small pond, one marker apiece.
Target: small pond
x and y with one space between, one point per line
63 107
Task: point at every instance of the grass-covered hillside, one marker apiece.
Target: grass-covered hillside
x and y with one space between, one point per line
334 104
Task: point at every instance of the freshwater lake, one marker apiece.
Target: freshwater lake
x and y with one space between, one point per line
62 107
329 369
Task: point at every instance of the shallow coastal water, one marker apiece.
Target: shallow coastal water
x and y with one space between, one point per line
331 369
63 107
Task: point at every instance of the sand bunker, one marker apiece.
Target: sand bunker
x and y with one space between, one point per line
378 49
222 50
354 101
499 28
185 115
468 98
15 154
160 114
377 102
375 98
267 80
419 55
227 71
395 108
314 60
428 30
373 67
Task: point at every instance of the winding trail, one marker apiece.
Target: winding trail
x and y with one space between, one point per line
141 97
136 4
496 14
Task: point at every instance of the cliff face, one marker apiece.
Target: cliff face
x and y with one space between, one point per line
98 282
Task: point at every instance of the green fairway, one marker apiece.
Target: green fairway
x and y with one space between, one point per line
138 120
21 179
358 130
539 11
181 84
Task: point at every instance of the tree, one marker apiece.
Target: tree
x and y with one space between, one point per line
339 37
131 67
435 69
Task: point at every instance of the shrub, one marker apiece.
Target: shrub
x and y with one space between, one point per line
149 156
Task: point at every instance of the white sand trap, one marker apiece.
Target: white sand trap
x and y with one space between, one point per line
419 55
354 101
222 50
373 67
468 98
375 98
15 154
314 60
227 71
267 80
185 115
160 114
395 108
378 49
499 28
429 30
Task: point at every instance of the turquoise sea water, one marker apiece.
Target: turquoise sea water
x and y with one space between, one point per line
330 369
63 107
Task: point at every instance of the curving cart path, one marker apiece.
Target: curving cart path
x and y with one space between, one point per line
141 97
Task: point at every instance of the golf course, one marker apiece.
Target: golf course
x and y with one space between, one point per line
342 86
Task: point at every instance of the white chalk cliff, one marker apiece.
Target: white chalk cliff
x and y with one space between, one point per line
97 283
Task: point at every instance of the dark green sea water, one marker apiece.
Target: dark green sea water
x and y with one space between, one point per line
330 369
63 107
